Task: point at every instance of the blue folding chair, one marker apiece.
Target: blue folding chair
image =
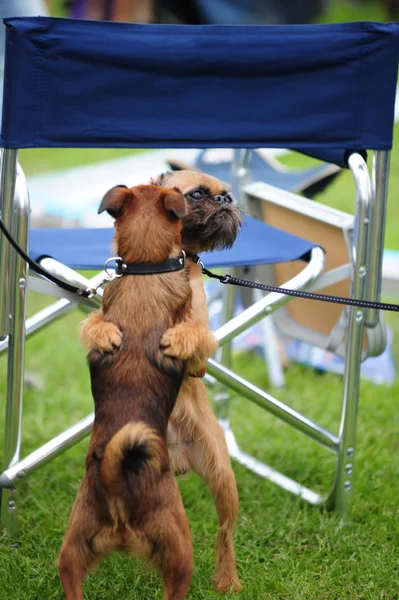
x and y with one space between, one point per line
90 84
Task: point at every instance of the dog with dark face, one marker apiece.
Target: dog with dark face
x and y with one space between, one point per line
195 438
128 499
213 219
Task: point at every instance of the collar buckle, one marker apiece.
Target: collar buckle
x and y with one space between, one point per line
118 272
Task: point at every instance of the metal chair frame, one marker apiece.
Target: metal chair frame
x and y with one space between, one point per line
370 210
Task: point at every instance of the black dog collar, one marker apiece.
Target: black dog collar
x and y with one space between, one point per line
166 266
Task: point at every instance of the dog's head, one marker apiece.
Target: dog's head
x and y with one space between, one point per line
147 221
213 219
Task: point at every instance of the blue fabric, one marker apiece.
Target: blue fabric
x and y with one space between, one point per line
73 83
257 243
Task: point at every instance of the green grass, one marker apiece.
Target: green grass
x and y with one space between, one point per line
41 160
286 549
347 10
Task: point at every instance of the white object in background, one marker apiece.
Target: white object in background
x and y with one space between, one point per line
271 348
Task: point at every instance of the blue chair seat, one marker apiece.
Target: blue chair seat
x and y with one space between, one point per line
257 243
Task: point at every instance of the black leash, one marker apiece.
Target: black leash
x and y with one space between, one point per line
179 262
167 266
298 294
85 293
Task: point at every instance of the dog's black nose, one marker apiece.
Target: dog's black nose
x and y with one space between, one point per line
223 199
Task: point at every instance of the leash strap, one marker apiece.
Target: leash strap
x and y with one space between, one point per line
85 293
300 294
172 264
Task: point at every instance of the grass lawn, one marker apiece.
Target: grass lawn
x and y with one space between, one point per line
286 549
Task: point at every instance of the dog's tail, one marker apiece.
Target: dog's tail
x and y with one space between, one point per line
134 450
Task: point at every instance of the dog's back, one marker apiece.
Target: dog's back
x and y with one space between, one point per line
134 392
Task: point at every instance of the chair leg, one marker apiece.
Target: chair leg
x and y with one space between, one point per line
15 366
7 192
341 496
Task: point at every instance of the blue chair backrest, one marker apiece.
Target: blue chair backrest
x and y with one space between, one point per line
72 83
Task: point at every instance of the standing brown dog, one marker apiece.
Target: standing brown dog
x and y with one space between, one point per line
128 499
195 438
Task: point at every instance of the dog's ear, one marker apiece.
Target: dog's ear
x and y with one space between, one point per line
114 200
175 203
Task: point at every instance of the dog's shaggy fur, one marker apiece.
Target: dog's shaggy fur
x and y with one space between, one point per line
128 499
195 438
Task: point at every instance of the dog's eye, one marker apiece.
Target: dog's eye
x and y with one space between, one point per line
196 195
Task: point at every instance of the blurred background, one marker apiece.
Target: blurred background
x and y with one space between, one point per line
209 11
224 11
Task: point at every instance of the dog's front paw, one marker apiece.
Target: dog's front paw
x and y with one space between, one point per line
177 343
109 338
100 335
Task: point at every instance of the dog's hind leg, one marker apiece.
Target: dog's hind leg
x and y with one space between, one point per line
80 553
169 531
224 492
84 544
209 458
176 575
72 574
